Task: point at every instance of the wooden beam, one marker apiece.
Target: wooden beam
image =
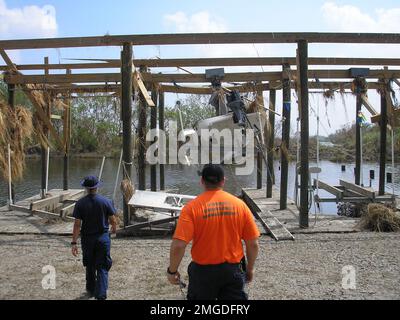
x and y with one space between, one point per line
66 139
153 126
246 87
138 82
6 59
187 78
357 175
243 87
304 133
286 111
213 62
126 115
46 214
47 109
141 136
161 126
367 104
353 187
200 38
50 203
270 139
67 211
329 188
382 145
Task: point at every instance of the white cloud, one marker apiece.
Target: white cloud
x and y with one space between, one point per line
198 22
28 21
204 22
349 18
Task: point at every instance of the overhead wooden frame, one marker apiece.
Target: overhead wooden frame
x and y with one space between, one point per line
187 78
201 38
211 62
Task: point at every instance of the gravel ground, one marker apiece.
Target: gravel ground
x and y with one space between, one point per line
309 268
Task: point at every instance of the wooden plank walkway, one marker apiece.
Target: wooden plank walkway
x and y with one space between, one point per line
21 220
289 218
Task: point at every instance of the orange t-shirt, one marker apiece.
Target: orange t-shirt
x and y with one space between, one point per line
217 222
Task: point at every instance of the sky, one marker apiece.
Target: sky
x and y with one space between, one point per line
61 18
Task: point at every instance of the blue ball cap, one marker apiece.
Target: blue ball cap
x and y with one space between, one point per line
90 182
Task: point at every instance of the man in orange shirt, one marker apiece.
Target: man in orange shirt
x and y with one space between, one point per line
216 222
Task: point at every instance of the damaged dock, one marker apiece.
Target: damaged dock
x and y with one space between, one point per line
284 224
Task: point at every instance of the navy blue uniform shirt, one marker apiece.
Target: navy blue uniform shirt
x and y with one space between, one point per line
94 211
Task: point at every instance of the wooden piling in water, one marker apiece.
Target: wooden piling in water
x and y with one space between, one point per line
304 124
43 150
153 126
142 113
383 141
270 144
357 170
11 103
161 127
126 106
67 135
260 107
286 110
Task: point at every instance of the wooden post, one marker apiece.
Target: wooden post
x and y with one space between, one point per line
153 126
142 138
259 169
67 134
11 103
260 109
286 110
271 140
304 134
383 141
357 171
43 153
161 127
126 112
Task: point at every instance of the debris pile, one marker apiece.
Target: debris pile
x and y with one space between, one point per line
380 218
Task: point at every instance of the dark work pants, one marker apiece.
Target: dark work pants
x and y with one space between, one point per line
216 282
97 260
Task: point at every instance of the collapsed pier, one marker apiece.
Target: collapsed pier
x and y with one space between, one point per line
300 73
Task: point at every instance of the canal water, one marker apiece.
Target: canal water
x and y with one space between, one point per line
179 178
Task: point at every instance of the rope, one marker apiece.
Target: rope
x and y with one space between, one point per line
117 177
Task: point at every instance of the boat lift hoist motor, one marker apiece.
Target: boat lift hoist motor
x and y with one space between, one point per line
225 100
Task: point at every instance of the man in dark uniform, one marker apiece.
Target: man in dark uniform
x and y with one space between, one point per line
93 214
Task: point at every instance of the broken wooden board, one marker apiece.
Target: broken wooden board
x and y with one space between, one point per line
273 226
67 211
138 82
50 215
55 200
367 104
361 190
393 120
269 222
329 188
325 223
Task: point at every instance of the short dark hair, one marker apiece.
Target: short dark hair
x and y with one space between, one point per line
212 174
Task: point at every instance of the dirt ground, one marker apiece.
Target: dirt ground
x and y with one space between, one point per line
308 268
